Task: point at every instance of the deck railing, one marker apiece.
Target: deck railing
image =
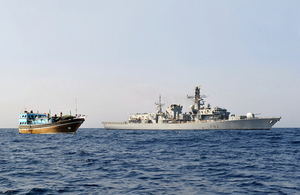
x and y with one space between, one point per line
114 123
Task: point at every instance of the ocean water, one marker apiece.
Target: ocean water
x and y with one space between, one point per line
98 161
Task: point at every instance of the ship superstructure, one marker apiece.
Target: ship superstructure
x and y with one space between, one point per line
199 117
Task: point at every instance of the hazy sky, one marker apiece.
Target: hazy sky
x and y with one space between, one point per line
116 57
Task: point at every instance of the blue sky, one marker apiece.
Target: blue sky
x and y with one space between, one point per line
116 57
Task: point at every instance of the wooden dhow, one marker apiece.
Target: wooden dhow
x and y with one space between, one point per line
37 123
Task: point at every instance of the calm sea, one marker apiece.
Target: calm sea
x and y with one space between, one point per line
98 161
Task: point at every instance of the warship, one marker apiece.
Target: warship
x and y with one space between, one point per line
42 123
200 117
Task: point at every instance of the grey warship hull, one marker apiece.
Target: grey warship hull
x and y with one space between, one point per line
200 117
243 124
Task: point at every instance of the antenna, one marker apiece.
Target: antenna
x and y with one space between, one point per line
75 106
25 101
159 105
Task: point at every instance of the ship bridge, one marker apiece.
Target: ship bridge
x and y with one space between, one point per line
27 118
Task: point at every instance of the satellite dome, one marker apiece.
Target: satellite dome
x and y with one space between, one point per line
250 115
192 107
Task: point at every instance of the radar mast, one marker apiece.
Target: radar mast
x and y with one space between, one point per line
159 105
197 98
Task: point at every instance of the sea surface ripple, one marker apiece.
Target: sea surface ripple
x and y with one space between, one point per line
98 161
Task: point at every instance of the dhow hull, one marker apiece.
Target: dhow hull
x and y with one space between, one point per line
68 126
